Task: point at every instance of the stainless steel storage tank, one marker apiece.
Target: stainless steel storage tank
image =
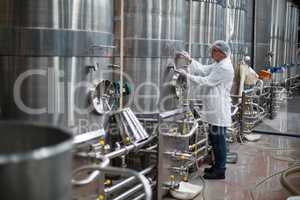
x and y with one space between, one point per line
235 28
262 32
295 34
287 33
208 25
278 20
154 30
49 52
35 162
291 33
249 27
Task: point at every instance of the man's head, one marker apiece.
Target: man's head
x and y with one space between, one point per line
220 50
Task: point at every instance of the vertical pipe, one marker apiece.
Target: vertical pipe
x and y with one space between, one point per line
190 26
121 53
253 35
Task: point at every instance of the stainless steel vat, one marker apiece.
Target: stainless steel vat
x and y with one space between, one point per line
49 54
208 25
277 31
295 34
35 162
235 28
291 34
154 30
263 32
249 28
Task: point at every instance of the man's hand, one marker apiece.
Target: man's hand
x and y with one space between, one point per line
183 54
182 72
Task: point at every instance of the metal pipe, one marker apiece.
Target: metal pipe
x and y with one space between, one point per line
286 134
192 131
190 26
126 149
136 123
87 180
197 160
127 181
236 96
121 52
126 172
105 162
128 193
235 111
118 152
78 139
197 144
199 150
131 125
152 147
140 197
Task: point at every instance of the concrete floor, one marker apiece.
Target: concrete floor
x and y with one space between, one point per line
259 160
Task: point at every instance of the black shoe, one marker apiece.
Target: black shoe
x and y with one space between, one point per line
209 170
214 175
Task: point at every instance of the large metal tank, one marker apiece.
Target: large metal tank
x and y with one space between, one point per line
249 28
49 54
295 34
287 33
291 33
235 28
35 162
278 21
207 26
262 32
154 30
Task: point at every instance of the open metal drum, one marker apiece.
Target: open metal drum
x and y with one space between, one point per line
35 162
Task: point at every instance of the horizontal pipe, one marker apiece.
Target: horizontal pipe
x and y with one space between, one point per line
130 192
117 153
236 96
286 134
88 136
128 148
185 156
197 160
140 197
197 144
152 147
105 162
143 195
127 181
87 180
125 172
199 150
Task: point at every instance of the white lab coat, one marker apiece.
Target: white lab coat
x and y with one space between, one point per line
212 85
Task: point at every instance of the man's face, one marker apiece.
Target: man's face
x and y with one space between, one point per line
217 55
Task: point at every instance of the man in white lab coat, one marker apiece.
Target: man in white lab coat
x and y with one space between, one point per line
215 82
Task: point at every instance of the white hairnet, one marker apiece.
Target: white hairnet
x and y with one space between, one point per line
222 46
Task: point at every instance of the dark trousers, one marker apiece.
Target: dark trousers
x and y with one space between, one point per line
217 137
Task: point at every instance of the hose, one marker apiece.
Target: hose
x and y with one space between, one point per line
263 181
286 184
284 173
